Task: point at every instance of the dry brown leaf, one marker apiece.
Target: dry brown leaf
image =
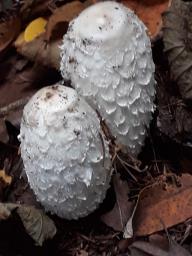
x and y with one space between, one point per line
146 249
149 11
161 241
149 249
128 230
177 34
40 52
39 226
6 178
9 29
61 17
27 5
42 49
122 211
30 9
157 205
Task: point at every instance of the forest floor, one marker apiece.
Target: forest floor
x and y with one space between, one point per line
148 208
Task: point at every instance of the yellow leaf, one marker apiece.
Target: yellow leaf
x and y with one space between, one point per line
34 29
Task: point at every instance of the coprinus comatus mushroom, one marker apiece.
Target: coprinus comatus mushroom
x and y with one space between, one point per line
65 153
106 54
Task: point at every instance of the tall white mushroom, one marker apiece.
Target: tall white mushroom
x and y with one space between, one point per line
65 154
106 54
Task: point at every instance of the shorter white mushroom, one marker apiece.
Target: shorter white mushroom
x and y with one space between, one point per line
65 153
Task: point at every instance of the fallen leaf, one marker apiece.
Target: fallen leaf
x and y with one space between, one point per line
34 29
177 33
150 249
150 13
177 250
159 240
61 16
128 230
39 226
157 205
123 244
28 5
42 49
122 211
6 178
9 29
38 51
145 248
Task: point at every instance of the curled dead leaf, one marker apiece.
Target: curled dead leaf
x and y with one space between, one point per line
61 17
38 51
170 206
39 226
122 211
42 49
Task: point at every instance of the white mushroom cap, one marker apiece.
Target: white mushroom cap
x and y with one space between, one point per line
65 154
106 54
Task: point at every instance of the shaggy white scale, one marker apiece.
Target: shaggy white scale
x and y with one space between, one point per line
106 54
65 154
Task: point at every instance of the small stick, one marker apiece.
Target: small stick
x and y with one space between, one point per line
4 111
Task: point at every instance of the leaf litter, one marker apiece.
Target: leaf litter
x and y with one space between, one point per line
39 226
122 210
9 29
164 202
143 199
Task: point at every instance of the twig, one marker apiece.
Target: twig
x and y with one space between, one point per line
130 173
4 111
132 166
153 149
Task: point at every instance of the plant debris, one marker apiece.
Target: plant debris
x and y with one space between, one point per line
39 226
42 49
147 210
150 13
9 29
165 203
122 210
141 248
177 31
60 18
34 29
5 178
